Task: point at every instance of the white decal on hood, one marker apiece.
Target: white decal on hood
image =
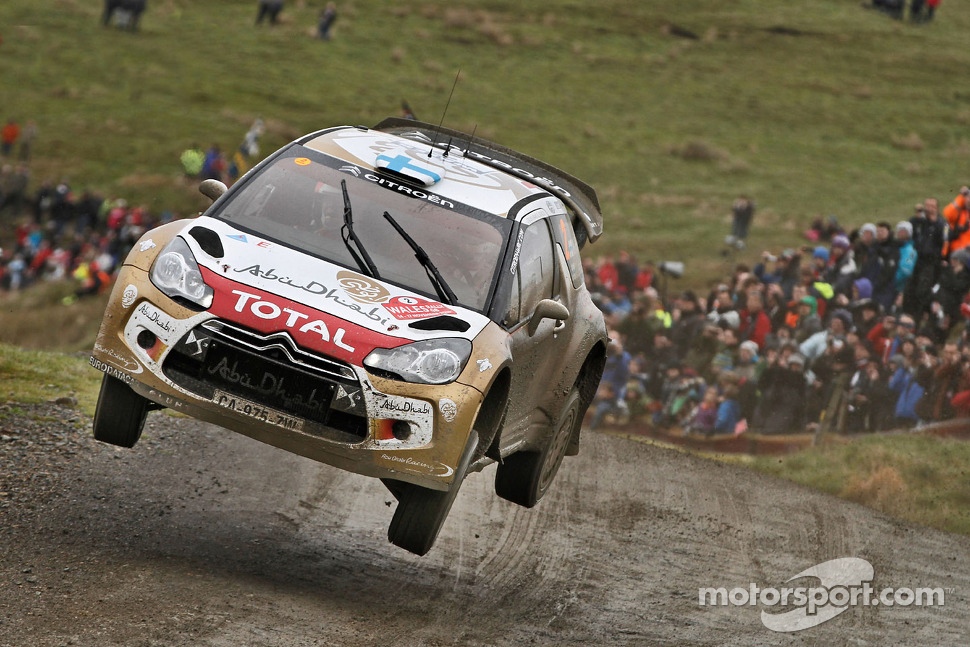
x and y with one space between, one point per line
313 287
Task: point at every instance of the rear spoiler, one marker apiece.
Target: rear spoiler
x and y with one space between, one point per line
579 197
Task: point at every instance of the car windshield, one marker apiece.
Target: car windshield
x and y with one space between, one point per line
298 201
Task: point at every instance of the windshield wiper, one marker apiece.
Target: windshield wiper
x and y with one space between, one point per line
353 244
438 281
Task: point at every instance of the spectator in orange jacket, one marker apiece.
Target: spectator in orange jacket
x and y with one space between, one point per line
957 215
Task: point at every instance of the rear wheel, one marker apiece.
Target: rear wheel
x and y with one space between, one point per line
421 512
120 415
524 477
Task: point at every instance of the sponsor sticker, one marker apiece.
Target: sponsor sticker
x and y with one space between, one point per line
364 287
413 465
310 328
402 406
125 363
448 409
407 308
110 370
128 296
156 316
361 288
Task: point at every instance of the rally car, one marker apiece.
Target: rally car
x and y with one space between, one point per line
405 302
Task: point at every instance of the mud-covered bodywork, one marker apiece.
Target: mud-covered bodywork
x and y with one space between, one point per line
375 300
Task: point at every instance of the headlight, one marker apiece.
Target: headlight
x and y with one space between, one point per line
176 274
434 361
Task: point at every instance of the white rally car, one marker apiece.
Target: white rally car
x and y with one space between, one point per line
404 302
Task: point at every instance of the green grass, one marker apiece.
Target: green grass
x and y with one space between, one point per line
917 477
30 377
39 319
812 108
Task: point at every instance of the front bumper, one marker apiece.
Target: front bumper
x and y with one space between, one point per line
265 387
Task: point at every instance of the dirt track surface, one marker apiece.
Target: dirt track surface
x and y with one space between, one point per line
205 538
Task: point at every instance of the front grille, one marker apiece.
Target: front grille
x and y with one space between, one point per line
280 346
272 371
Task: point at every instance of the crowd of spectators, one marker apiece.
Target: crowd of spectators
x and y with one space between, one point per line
862 329
58 233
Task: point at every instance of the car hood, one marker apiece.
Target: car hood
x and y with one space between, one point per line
325 307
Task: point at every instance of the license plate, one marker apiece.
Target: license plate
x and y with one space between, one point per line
256 410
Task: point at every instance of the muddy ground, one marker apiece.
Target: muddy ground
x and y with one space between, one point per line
202 537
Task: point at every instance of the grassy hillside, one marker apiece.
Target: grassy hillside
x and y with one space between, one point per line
917 477
669 109
38 318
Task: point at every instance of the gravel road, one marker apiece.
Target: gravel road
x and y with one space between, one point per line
201 537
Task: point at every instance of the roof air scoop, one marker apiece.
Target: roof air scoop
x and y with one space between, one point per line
409 167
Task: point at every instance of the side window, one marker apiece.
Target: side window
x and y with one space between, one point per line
570 248
534 272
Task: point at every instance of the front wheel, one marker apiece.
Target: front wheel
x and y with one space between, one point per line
120 415
524 477
421 512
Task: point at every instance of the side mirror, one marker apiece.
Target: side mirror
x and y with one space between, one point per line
547 309
212 189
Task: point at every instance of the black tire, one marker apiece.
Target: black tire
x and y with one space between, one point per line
524 477
421 512
120 415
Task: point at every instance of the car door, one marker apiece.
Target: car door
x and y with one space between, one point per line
537 358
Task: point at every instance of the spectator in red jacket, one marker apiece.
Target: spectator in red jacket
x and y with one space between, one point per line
755 324
8 137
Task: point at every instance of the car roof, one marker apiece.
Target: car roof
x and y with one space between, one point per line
456 166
